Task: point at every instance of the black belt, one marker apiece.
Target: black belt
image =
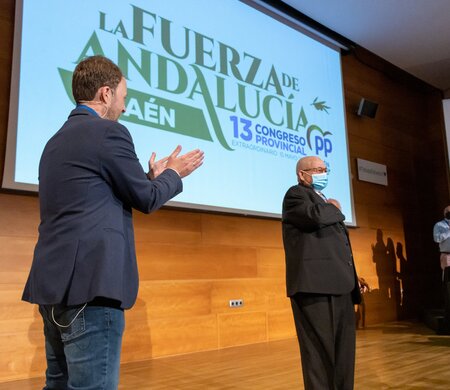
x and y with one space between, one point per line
107 302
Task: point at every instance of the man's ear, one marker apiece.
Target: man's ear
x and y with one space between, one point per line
103 94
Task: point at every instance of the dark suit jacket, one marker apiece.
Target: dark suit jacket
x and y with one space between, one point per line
317 248
89 181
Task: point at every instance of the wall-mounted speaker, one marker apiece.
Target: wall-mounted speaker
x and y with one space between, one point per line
367 108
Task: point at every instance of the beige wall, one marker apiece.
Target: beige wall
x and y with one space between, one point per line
192 263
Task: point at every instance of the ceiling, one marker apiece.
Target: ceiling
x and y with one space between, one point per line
411 34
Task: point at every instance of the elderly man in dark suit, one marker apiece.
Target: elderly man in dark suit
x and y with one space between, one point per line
321 279
84 271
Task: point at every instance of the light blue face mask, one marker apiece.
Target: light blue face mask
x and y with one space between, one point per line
319 181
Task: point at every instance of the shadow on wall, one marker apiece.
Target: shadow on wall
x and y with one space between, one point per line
391 299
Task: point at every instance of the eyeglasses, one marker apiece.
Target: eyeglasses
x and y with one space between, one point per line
317 170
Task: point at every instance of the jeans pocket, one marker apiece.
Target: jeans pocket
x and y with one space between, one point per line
70 322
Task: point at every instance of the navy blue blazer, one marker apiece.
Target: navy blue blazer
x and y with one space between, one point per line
89 181
317 248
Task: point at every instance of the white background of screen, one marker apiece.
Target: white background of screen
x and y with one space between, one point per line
250 179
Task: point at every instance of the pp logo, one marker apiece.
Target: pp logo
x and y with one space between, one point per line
320 143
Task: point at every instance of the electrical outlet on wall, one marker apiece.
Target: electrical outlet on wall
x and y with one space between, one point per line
236 302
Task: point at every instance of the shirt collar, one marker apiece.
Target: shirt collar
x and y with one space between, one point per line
87 108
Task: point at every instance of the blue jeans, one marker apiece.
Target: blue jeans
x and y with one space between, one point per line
86 354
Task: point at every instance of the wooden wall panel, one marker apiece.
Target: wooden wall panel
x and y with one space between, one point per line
17 361
407 137
169 336
256 294
173 299
192 263
195 262
165 227
242 328
12 308
15 259
228 230
280 323
19 215
269 264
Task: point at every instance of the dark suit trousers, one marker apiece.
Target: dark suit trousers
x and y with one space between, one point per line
325 327
446 289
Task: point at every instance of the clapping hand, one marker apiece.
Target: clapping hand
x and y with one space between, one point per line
155 168
184 165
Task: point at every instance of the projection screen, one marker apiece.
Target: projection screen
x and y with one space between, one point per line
254 93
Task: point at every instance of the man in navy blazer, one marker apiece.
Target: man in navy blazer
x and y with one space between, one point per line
321 279
84 270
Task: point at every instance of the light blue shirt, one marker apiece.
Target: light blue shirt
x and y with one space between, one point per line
441 235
